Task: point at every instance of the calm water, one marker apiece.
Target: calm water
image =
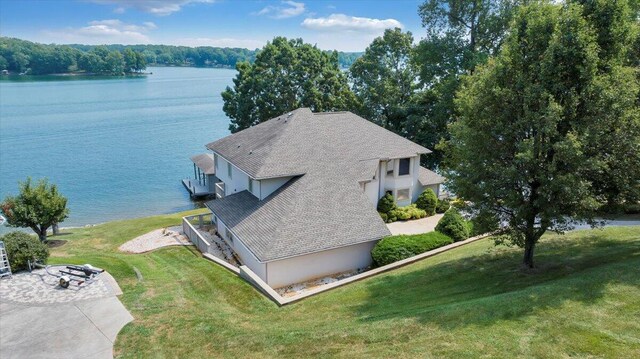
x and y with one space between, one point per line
116 148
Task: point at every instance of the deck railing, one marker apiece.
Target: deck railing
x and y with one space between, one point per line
193 234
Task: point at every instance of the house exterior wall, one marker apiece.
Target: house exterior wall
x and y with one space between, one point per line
246 257
268 186
315 265
371 189
238 181
394 182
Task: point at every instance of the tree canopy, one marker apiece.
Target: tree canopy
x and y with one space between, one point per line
460 34
384 80
37 207
287 74
550 128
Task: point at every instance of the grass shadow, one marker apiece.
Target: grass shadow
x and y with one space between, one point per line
483 286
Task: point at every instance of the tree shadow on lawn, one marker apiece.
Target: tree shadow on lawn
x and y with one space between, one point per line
486 288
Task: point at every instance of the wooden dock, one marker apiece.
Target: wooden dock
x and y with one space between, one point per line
196 189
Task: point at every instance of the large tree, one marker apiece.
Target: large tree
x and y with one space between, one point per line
286 74
550 128
384 80
460 34
38 207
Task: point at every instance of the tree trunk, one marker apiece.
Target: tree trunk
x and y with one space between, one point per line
42 234
55 229
529 246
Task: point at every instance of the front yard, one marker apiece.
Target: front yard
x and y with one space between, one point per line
469 302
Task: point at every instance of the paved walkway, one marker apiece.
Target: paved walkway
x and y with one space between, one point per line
416 226
41 320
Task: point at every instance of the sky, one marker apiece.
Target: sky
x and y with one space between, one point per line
344 25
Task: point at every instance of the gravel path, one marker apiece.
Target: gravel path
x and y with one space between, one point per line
170 236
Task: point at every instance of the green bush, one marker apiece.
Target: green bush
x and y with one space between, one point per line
395 248
443 205
406 213
427 201
22 247
453 225
384 217
386 204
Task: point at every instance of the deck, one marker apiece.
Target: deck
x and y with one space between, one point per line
195 188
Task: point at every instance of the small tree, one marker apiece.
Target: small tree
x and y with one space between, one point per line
427 201
386 204
37 207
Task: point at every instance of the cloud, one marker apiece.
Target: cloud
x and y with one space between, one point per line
156 7
342 22
291 9
111 31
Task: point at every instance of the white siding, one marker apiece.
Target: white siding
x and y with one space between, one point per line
246 257
316 265
268 186
394 182
371 190
238 181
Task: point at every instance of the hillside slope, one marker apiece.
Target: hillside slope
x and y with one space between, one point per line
584 300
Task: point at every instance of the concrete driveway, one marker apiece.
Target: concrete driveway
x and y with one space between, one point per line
416 226
41 320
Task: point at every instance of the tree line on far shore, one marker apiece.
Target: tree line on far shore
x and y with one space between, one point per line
21 56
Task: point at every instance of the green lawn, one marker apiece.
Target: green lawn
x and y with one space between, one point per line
584 301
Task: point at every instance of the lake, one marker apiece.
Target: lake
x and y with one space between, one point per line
116 147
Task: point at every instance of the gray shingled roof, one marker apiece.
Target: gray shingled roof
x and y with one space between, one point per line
323 206
276 148
427 177
205 163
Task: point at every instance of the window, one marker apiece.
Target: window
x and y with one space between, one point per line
250 184
229 173
404 167
403 194
390 167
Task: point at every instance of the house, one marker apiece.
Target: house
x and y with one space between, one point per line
297 195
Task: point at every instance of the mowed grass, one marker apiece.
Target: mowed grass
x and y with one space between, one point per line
474 301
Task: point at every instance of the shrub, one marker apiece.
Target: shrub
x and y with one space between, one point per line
395 248
22 247
406 213
443 205
384 216
453 225
427 201
386 204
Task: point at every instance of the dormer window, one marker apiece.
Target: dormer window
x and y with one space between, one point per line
404 167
